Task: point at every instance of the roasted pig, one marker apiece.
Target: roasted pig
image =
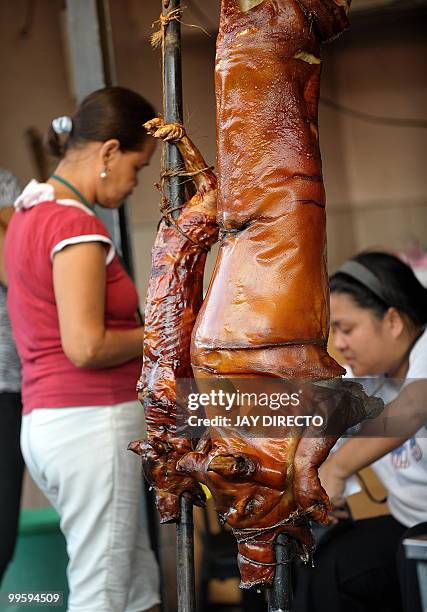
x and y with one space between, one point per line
267 309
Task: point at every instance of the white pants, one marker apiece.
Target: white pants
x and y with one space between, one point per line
78 458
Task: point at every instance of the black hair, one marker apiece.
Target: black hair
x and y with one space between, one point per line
111 112
400 286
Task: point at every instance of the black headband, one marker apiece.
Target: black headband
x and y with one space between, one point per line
365 277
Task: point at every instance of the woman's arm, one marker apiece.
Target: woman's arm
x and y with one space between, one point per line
399 420
353 456
79 279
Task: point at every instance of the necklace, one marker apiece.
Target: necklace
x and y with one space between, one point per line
76 192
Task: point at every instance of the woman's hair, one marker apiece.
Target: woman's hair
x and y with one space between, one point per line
399 286
109 113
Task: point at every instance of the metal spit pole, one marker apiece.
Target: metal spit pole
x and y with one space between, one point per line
280 596
185 557
174 192
172 99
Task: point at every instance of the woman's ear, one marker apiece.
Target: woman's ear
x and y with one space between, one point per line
394 321
109 150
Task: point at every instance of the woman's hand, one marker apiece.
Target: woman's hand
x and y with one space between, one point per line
339 513
334 484
333 481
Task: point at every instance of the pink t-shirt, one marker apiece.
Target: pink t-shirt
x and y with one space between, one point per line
49 379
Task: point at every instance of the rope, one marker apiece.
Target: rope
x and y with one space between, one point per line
263 563
254 532
368 492
174 15
169 173
166 211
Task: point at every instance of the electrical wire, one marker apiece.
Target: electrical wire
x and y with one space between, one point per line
27 27
376 119
368 492
200 13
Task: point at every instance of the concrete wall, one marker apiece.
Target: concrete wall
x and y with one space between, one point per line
374 174
34 80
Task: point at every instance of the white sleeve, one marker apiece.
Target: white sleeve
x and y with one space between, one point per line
85 238
418 359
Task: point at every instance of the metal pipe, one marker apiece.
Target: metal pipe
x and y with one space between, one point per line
172 100
280 596
174 192
185 557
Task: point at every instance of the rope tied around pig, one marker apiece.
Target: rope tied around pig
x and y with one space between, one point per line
166 208
249 535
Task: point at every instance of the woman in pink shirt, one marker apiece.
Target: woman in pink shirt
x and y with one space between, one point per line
74 316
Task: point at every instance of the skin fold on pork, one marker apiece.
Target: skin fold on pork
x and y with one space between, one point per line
173 300
267 309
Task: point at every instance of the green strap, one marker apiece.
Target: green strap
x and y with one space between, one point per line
80 196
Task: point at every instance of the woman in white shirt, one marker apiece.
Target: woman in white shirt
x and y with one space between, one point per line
378 314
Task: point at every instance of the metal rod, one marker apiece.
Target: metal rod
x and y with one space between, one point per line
280 599
174 192
185 557
172 99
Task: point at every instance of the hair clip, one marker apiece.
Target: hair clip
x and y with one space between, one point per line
62 125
